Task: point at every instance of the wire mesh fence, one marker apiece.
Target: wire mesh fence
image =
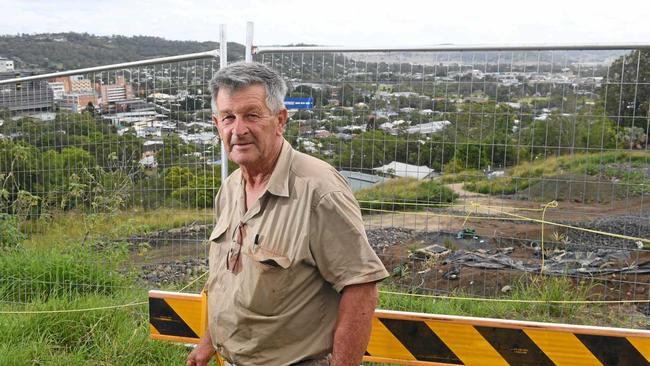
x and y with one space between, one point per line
455 157
100 168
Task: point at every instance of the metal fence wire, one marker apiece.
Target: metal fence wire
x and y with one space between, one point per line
496 178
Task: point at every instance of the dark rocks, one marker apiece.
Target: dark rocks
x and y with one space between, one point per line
173 272
629 225
384 237
191 233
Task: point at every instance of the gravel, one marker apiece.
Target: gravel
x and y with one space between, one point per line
191 232
385 237
173 272
630 225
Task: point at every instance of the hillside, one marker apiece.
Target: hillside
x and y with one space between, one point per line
63 51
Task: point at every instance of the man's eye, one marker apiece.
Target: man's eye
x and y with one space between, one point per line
228 119
252 116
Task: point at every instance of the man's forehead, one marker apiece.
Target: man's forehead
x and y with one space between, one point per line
231 92
249 95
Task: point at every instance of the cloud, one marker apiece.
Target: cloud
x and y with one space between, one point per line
338 22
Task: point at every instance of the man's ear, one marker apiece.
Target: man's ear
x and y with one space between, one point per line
283 118
215 121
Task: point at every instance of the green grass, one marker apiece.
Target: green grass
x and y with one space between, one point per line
39 273
469 175
403 194
609 166
528 287
99 337
53 279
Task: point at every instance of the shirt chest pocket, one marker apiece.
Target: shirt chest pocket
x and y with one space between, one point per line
265 280
219 243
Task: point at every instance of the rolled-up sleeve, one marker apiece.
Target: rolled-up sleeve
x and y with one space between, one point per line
339 245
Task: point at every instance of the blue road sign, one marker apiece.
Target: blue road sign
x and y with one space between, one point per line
299 103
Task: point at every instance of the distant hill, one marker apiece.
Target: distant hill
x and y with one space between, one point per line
63 51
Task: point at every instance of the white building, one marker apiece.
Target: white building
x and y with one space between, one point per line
428 128
149 161
403 170
58 89
115 93
6 64
203 138
132 118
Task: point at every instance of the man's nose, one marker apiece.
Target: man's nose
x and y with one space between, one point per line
239 126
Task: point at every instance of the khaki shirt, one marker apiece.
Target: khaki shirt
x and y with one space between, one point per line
303 242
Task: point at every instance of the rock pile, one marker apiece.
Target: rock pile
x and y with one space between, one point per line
177 271
630 225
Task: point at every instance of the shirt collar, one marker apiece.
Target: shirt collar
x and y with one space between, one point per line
279 181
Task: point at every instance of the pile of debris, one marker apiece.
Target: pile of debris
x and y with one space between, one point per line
556 262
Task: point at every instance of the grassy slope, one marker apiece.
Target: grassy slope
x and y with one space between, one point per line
55 269
75 226
402 191
601 168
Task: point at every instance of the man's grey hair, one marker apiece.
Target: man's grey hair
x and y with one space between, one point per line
243 74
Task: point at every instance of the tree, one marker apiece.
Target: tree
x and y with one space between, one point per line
632 137
627 91
90 108
174 149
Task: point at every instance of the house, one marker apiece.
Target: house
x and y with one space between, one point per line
428 128
6 64
133 118
351 128
149 161
321 134
152 145
403 170
199 139
359 181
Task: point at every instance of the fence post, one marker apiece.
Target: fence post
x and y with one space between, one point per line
223 45
249 42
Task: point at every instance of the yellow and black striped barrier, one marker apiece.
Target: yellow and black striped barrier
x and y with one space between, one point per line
426 339
177 317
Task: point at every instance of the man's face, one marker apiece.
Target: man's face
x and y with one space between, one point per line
250 131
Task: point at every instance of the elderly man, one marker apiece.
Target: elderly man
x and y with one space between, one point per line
292 276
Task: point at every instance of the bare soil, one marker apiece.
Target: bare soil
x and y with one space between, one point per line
478 211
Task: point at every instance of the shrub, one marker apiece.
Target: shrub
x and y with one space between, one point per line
10 234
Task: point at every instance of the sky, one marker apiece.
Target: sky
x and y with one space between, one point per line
348 23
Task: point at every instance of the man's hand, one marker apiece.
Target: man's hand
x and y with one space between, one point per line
353 325
202 353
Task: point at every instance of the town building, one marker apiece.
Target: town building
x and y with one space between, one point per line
359 181
428 128
112 93
6 64
403 170
58 89
25 96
